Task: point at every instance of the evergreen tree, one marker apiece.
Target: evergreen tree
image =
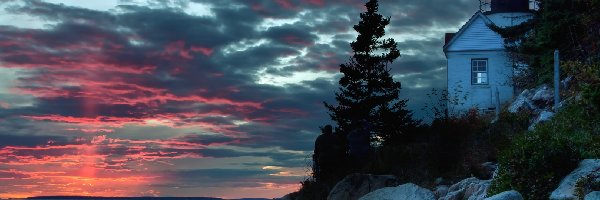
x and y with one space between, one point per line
367 90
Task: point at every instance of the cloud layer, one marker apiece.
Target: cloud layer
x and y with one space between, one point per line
188 98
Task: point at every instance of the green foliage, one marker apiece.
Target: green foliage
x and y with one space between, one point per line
586 185
367 90
536 161
586 79
456 136
501 133
459 144
571 26
311 190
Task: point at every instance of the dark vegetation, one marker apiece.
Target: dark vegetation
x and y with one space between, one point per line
454 147
537 160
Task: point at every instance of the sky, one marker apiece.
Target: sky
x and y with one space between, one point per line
188 98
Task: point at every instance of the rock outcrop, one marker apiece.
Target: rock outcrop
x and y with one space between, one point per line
543 96
588 172
470 188
538 102
595 195
402 192
542 117
507 195
440 191
354 186
522 102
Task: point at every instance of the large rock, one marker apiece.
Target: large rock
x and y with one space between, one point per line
470 189
522 102
595 195
507 195
566 83
402 192
440 191
588 170
542 117
355 186
543 96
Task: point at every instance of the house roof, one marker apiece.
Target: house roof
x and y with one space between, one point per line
462 29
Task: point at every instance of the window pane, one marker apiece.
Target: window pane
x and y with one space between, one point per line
479 72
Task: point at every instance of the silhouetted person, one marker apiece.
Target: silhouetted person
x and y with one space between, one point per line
329 156
359 145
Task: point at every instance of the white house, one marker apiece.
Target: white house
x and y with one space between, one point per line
479 69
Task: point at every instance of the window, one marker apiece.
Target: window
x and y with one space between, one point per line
479 72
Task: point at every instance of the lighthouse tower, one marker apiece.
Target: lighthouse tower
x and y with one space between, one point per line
506 13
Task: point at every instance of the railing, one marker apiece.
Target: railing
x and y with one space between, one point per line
486 5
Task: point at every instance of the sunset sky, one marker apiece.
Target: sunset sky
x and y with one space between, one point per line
187 98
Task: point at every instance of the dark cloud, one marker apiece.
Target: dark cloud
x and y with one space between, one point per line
427 13
29 140
193 81
63 13
225 178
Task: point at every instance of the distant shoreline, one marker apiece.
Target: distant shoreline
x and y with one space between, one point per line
131 198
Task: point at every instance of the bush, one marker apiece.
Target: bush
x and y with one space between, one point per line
450 147
453 144
586 79
501 133
537 161
311 189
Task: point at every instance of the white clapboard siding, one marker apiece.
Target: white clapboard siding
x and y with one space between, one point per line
476 36
478 96
475 40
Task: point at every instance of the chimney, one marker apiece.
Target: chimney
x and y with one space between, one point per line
448 37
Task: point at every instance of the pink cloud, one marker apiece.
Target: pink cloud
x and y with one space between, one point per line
316 2
204 50
4 105
297 41
180 49
286 4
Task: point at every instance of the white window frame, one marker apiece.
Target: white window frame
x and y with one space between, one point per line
479 71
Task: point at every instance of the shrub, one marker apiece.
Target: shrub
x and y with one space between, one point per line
453 142
500 134
586 79
537 161
586 185
311 189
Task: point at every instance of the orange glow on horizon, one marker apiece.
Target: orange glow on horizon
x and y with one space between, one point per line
81 186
